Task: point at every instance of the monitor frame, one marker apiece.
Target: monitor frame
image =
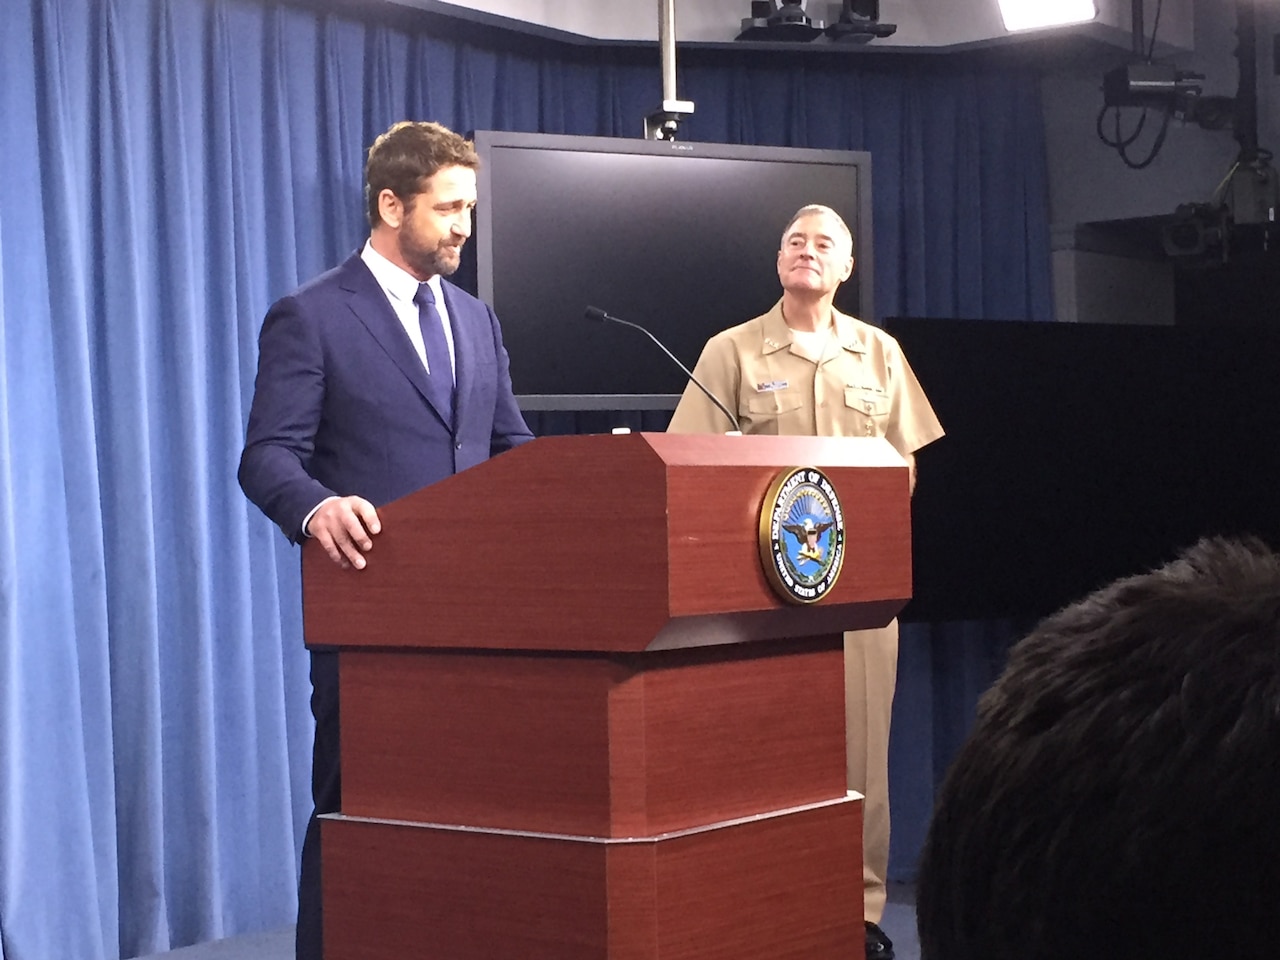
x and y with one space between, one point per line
490 142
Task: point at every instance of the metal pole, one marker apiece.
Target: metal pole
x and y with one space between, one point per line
1139 32
662 124
667 40
1246 125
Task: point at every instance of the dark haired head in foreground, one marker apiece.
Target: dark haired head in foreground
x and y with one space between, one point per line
1119 796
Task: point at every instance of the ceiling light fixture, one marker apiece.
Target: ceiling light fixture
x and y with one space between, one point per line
1031 14
784 20
860 23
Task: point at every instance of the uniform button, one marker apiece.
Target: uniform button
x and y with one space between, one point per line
870 408
457 445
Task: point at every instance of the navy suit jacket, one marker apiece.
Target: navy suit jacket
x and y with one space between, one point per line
340 404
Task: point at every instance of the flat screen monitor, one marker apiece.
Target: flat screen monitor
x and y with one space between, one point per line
681 238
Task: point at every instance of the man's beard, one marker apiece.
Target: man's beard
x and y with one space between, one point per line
443 261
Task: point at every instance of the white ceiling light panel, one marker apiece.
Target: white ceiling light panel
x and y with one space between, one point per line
1030 14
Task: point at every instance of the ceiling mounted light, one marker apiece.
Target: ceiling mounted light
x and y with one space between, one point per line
784 20
1030 14
860 23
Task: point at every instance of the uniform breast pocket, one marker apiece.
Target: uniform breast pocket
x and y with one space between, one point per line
766 412
866 412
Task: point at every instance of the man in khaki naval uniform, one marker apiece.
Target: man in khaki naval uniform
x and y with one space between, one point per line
805 368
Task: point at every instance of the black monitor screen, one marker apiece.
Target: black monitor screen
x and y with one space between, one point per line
681 238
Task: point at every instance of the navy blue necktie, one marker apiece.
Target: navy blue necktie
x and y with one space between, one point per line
440 374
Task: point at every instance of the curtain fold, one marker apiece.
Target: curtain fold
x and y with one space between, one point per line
171 167
56 736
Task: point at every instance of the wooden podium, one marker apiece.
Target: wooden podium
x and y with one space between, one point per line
577 722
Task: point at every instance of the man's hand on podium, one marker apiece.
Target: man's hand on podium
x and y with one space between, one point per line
345 527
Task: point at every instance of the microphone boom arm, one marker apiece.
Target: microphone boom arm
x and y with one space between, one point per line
595 313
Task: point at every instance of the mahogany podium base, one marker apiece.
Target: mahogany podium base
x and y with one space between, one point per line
785 885
684 804
577 723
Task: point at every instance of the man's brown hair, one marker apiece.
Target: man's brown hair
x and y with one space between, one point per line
406 155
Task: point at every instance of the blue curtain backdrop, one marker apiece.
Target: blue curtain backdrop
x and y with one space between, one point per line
168 168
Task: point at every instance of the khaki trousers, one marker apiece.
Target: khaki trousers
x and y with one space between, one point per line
870 673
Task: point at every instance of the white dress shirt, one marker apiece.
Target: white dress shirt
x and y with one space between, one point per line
400 288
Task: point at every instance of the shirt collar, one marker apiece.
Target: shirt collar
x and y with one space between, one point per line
777 335
398 283
847 333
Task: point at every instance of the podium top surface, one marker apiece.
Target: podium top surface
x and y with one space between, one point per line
613 543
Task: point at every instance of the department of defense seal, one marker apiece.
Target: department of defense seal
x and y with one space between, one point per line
802 535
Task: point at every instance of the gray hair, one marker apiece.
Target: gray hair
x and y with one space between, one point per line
815 209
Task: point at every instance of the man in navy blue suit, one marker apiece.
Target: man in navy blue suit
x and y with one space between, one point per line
375 379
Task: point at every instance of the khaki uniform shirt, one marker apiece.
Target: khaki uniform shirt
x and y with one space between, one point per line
861 385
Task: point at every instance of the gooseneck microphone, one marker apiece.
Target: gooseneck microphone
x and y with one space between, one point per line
600 316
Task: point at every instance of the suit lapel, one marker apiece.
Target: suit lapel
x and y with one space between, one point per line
465 351
369 304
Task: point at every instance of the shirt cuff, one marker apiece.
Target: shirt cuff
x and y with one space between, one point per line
306 521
